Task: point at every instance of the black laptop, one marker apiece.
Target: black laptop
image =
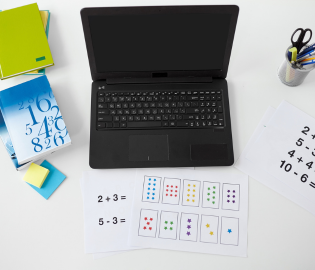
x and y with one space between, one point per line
159 94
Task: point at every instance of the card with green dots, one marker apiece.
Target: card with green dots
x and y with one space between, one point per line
211 195
168 225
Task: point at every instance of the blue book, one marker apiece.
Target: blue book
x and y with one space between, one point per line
33 120
5 137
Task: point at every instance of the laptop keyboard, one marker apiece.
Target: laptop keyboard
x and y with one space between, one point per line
159 109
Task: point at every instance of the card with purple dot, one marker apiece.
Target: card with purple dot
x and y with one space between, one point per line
231 197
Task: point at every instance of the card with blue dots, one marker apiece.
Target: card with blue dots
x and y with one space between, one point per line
151 189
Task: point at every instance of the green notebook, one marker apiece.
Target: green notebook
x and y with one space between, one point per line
23 42
44 14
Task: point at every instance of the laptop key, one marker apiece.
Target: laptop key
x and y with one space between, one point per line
143 124
100 125
183 124
101 106
104 118
103 111
192 110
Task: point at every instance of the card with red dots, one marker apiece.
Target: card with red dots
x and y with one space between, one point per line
194 211
148 221
171 190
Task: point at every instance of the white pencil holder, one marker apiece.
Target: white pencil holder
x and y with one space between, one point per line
291 75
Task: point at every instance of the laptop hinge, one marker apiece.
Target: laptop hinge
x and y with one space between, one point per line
159 80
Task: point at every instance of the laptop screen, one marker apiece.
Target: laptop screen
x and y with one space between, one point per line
159 42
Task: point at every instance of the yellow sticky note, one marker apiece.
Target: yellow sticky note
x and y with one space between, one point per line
36 175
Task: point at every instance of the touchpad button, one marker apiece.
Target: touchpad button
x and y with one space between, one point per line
209 151
148 148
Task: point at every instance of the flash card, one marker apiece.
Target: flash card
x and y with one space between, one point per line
107 197
189 227
209 229
286 149
229 231
196 211
230 197
191 189
171 191
151 189
168 225
148 221
211 195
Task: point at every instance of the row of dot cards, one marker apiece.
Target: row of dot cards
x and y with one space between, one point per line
190 192
191 210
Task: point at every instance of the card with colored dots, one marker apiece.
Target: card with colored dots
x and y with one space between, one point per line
211 195
195 211
229 231
171 190
191 190
189 227
151 189
148 221
209 229
168 225
230 198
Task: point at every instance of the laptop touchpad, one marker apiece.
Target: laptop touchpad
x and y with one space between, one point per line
148 148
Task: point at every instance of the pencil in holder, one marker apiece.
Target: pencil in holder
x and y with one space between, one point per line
291 75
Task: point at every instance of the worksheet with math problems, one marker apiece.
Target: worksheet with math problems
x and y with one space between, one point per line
286 149
107 196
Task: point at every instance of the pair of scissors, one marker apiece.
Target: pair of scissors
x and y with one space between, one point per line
299 43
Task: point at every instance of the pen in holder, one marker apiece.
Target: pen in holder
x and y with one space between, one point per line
290 74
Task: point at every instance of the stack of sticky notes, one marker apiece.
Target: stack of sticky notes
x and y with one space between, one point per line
44 178
36 175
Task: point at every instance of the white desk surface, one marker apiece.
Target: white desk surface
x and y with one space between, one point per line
39 234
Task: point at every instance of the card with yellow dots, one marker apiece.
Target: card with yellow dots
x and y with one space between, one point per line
209 229
191 192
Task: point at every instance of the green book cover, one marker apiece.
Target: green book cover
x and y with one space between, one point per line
41 71
23 42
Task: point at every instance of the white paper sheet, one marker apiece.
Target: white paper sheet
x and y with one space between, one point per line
260 174
100 255
108 197
285 149
196 211
103 254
